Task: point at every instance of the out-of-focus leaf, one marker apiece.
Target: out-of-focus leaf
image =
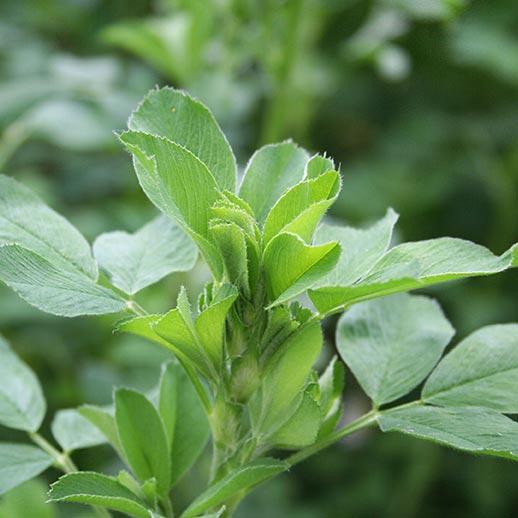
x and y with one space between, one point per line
72 431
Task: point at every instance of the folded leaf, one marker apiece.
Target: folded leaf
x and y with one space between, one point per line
477 430
143 438
300 208
242 479
179 184
318 165
22 405
285 377
392 344
416 265
135 261
332 383
481 371
20 462
292 266
185 421
28 222
97 489
72 431
186 121
361 249
53 288
272 170
104 421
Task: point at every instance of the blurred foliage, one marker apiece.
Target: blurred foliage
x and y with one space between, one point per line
417 99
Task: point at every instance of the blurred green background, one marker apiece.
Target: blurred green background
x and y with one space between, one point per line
416 99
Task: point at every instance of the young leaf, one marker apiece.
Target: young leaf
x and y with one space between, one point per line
277 166
104 421
292 266
185 421
96 489
22 405
242 479
72 431
20 462
332 384
481 371
210 324
135 261
318 165
186 121
143 438
415 265
170 175
287 374
52 289
300 209
361 249
392 344
28 222
477 430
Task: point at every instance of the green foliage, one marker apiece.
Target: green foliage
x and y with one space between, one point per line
244 355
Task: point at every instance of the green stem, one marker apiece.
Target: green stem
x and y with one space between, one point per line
63 462
136 308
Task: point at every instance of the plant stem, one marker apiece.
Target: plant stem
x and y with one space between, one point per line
63 462
136 308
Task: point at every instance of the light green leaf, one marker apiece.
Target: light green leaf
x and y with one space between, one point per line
361 249
272 170
104 421
170 174
392 344
285 377
332 383
96 489
28 222
210 324
300 208
22 405
20 462
185 421
53 288
72 431
301 429
242 479
186 121
292 266
476 430
481 371
318 165
135 261
416 265
143 438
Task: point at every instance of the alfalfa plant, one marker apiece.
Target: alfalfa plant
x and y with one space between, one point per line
242 371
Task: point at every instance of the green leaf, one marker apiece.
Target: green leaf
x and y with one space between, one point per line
53 288
301 429
240 480
185 421
277 166
28 500
300 208
361 249
416 265
22 405
481 371
186 121
20 462
170 174
72 431
28 222
285 377
135 261
318 165
332 383
96 489
392 344
210 324
143 438
292 266
104 421
476 430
